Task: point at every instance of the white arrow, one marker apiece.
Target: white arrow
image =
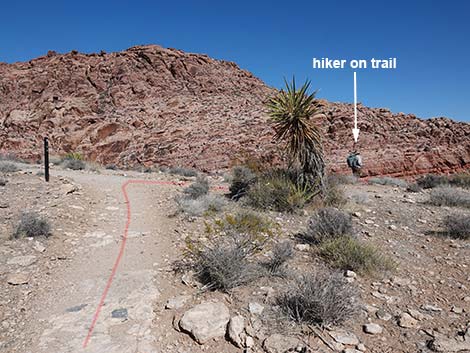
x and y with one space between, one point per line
355 130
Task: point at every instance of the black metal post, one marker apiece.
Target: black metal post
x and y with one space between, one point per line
46 158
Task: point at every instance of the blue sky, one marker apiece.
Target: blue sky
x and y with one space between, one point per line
430 39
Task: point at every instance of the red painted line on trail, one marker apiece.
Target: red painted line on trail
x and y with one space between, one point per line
123 245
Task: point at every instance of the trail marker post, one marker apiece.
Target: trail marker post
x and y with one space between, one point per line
46 159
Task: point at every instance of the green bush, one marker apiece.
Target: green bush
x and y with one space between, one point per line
457 226
74 155
276 191
318 298
449 196
32 225
348 253
244 222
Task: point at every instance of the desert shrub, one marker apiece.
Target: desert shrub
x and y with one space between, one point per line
430 181
388 181
74 164
318 298
224 264
186 172
74 155
342 179
280 254
32 225
241 179
197 189
449 196
461 180
244 222
327 223
8 167
200 206
334 194
414 187
457 226
9 156
348 253
276 191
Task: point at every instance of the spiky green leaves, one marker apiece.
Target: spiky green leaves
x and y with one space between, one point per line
291 111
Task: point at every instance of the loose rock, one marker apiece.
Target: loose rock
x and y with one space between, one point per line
373 329
205 321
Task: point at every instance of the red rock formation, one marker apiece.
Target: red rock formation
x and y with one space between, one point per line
149 105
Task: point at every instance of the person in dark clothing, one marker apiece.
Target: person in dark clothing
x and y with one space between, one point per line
354 161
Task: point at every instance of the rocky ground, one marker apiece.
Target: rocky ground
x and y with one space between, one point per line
50 288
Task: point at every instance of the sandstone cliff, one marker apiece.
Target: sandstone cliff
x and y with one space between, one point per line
149 105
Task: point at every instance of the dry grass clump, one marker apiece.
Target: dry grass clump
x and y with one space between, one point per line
457 226
327 223
225 258
460 180
74 161
347 253
8 167
186 172
430 181
281 253
449 196
197 201
224 265
74 164
334 193
342 179
202 205
197 189
318 298
388 181
32 225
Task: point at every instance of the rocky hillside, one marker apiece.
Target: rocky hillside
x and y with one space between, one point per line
149 105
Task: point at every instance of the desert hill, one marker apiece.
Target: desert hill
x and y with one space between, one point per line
150 105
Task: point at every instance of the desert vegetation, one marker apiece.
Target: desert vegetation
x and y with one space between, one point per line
8 167
449 196
197 201
32 225
320 298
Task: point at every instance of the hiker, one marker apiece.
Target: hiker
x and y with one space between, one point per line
355 163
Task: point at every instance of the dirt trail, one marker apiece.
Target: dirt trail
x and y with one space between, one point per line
124 323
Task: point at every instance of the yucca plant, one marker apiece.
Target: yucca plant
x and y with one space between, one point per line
292 111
